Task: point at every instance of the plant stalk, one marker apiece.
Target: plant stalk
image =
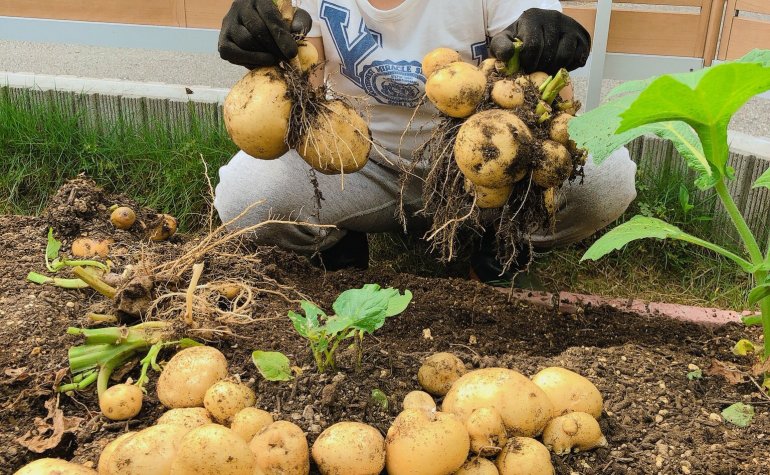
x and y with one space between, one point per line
555 85
764 306
513 65
56 281
94 282
740 224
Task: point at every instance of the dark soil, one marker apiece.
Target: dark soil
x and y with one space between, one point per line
656 420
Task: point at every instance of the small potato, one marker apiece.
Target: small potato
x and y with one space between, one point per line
487 431
213 449
189 374
538 78
249 421
108 450
188 417
524 407
121 402
51 466
487 197
478 466
456 89
307 56
89 247
148 452
123 217
524 456
569 391
419 443
419 400
437 59
349 448
555 167
559 131
507 94
281 449
439 371
576 431
225 398
162 228
488 66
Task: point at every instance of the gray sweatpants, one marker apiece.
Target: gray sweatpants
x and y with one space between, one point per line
367 201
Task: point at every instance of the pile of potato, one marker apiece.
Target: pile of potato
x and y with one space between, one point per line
212 427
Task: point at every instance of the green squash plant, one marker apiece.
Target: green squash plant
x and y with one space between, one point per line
692 110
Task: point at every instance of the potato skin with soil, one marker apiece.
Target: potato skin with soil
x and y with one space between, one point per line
281 449
121 402
439 372
213 449
349 448
52 466
569 391
456 89
189 374
524 456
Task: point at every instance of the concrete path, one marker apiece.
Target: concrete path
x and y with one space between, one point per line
208 70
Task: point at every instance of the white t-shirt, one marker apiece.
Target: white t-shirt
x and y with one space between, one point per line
377 53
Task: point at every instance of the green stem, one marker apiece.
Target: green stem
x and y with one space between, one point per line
764 306
95 282
743 263
102 381
554 86
56 281
513 65
72 263
542 109
740 224
79 383
149 360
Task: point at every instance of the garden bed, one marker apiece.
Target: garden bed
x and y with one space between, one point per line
656 420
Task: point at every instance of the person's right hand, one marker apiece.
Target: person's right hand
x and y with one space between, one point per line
254 34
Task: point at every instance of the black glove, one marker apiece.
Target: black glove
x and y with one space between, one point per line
552 40
254 34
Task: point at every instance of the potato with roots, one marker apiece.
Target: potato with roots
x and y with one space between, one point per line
257 111
555 167
188 417
108 450
148 452
507 94
51 466
488 146
439 371
524 456
487 431
576 431
121 402
524 407
213 449
224 399
438 59
419 400
249 421
456 89
421 443
478 466
281 449
487 197
189 374
349 448
337 140
569 391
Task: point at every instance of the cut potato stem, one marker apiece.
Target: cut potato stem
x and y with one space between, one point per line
512 66
94 282
553 86
41 279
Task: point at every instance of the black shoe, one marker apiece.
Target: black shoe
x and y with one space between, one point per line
486 268
352 251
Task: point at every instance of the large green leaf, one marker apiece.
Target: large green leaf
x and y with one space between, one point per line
272 365
763 180
706 106
596 131
366 308
642 227
759 292
309 324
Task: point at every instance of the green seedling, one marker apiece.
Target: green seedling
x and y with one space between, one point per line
357 312
106 349
55 261
692 110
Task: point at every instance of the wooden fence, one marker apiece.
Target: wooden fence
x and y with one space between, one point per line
656 158
707 29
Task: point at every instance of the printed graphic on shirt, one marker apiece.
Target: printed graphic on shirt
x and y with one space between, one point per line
389 82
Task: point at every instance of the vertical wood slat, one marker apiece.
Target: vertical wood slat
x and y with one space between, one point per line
715 19
727 28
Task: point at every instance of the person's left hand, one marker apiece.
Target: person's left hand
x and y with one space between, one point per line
552 40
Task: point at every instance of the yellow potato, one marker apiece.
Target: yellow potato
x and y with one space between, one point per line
349 448
487 197
188 417
281 449
507 94
337 141
439 371
213 449
576 431
559 131
123 217
307 56
488 145
538 78
419 400
224 399
108 450
524 407
148 452
249 421
256 113
421 443
457 89
569 391
487 431
51 466
89 247
189 374
555 167
478 466
121 402
437 59
524 456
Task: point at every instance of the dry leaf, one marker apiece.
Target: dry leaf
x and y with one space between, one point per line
15 375
760 367
50 429
730 373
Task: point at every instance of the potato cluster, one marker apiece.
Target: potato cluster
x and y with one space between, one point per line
487 424
514 126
